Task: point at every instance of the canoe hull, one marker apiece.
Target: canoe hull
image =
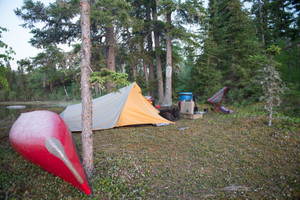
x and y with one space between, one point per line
43 138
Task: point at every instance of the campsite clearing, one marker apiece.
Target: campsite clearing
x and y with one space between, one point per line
217 157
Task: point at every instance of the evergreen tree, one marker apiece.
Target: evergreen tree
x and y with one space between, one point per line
157 27
62 26
57 19
168 85
229 42
276 20
112 15
186 13
280 22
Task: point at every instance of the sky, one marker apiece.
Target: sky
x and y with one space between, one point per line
16 37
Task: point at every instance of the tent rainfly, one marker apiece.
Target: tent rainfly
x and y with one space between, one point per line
123 108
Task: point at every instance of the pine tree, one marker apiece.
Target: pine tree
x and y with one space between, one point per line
157 35
280 25
229 42
276 20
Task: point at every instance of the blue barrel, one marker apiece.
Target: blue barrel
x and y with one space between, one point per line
186 96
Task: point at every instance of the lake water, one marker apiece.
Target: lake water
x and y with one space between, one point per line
12 112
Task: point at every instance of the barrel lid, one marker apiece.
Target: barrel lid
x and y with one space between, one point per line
186 93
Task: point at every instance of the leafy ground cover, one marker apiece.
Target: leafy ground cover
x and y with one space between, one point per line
220 156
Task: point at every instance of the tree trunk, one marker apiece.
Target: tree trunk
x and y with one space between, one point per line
270 109
298 57
270 117
131 55
150 52
65 89
158 59
168 93
87 134
44 85
145 66
261 24
287 44
146 75
110 54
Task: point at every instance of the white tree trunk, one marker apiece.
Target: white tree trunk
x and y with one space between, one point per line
158 60
270 117
168 93
270 108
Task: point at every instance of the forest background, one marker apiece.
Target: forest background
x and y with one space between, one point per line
224 44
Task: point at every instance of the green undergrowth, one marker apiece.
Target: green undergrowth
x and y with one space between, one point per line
220 156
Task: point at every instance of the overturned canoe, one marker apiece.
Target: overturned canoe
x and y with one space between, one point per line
43 138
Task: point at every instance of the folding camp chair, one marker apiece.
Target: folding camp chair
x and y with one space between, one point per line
217 100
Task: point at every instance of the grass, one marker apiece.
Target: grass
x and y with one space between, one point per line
220 156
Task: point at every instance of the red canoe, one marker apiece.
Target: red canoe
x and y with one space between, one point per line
43 138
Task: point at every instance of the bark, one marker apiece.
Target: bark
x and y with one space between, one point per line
270 109
87 135
298 57
270 117
146 73
44 85
145 66
158 59
131 55
290 61
150 52
168 93
110 54
22 84
261 24
66 92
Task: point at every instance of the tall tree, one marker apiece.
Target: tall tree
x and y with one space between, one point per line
276 20
131 54
49 61
87 134
168 91
150 47
110 54
22 81
260 9
261 21
24 65
59 26
140 35
157 28
280 24
186 13
111 15
229 43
